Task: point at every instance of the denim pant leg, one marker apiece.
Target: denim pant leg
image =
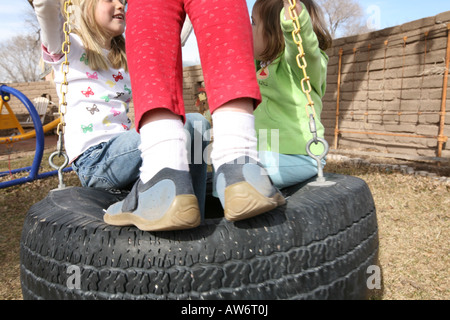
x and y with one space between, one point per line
111 165
288 169
115 164
198 129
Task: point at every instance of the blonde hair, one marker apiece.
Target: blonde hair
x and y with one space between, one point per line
85 26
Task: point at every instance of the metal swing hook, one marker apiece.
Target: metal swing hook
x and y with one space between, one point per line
63 104
320 181
59 153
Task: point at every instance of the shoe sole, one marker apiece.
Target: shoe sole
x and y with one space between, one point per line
242 201
183 213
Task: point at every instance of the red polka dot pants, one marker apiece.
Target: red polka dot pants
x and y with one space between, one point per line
225 42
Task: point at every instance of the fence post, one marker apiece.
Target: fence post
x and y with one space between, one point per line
338 99
441 138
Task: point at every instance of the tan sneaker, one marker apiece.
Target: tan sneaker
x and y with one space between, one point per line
245 189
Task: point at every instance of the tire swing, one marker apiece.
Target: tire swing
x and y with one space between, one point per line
319 245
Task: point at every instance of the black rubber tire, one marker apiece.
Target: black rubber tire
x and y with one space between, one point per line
317 246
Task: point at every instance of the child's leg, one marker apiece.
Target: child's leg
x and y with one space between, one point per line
163 198
154 60
224 38
286 170
165 138
225 42
111 165
154 55
172 199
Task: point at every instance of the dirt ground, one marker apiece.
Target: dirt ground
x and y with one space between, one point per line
412 209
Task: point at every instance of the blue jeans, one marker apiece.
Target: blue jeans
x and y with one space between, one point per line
115 164
286 170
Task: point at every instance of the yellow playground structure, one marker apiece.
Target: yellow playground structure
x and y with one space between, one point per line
9 120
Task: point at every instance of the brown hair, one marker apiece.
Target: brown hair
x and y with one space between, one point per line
319 27
269 13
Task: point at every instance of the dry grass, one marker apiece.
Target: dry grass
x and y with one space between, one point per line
413 218
413 215
14 204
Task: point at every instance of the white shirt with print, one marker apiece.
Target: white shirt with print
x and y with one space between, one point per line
97 101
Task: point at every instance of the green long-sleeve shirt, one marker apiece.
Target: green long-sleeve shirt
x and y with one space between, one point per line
283 102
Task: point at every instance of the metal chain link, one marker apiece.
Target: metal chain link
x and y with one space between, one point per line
305 85
301 60
63 101
65 66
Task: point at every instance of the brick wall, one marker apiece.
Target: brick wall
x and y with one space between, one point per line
390 91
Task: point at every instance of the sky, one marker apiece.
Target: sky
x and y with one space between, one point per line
380 14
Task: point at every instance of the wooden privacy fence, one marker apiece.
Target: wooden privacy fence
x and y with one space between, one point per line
441 138
388 90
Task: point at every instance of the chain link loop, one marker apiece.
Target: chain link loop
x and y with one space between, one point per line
306 87
301 60
64 89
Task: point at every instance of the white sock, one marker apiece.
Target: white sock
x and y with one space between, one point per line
234 136
163 145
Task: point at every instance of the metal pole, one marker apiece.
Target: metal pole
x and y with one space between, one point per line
441 138
338 100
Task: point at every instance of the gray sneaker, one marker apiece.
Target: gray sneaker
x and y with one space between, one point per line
245 189
166 202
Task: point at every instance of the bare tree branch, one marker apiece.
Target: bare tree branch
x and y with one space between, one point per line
344 17
20 56
19 60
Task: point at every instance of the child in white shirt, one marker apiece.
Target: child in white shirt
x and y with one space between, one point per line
102 149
